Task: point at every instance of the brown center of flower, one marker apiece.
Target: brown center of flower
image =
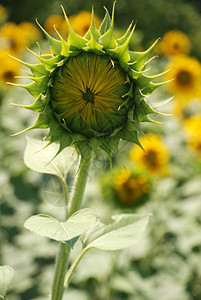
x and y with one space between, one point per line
12 44
176 45
184 77
8 76
88 96
151 158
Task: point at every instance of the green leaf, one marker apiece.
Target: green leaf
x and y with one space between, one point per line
37 69
6 275
106 23
125 230
74 39
50 227
130 133
40 158
33 88
55 45
38 106
92 30
72 241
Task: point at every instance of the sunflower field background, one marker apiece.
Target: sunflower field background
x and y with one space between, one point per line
165 180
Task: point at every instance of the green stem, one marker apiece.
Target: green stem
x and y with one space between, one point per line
60 272
80 183
73 267
74 205
62 256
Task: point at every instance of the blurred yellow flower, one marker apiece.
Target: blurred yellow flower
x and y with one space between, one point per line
30 31
186 72
131 188
185 111
9 68
193 136
3 14
82 21
79 22
58 22
12 38
174 42
156 157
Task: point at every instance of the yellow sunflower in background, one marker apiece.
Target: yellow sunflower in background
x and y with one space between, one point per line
186 72
193 135
30 31
174 42
15 38
185 111
9 69
82 21
58 22
79 22
12 38
131 188
156 155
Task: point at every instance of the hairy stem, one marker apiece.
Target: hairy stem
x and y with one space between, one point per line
74 205
62 256
60 272
80 183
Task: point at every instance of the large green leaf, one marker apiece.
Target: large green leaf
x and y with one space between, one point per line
125 230
42 160
50 227
6 275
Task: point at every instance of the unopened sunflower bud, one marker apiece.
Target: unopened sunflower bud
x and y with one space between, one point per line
91 90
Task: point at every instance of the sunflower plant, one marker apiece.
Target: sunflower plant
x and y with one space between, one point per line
91 91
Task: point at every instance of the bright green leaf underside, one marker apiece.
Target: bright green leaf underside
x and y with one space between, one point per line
40 159
125 230
50 227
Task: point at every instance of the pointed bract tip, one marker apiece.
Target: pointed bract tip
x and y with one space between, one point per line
64 12
113 10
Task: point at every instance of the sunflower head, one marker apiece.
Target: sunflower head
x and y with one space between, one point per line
192 127
91 90
13 39
9 68
156 157
131 188
174 42
86 94
30 32
126 188
58 22
81 22
186 72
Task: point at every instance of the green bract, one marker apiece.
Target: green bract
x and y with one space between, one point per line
91 90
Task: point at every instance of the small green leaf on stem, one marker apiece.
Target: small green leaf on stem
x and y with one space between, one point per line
41 159
50 227
125 230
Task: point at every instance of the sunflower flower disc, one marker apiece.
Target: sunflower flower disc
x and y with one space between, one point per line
91 91
87 93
